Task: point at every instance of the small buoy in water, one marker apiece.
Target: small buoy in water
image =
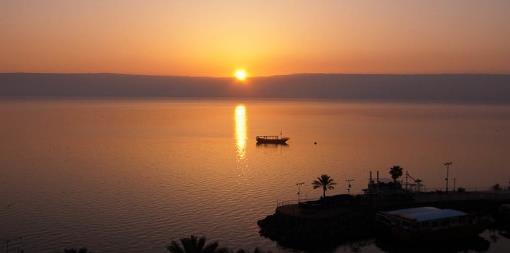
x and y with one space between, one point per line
315 142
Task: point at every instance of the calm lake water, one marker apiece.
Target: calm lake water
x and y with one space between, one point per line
130 176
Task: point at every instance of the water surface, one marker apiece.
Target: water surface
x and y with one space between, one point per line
130 176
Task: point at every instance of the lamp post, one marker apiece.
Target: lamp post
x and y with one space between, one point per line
348 181
299 192
447 165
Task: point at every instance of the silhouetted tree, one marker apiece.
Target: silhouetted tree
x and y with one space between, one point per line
396 172
325 182
496 187
195 244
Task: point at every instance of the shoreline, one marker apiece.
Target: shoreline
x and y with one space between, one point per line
343 218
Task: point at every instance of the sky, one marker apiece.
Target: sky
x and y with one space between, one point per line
213 38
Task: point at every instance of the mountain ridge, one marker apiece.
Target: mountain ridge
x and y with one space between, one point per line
454 88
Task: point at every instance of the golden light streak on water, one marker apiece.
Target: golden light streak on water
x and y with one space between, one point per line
240 130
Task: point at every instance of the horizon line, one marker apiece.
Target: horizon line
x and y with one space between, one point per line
264 76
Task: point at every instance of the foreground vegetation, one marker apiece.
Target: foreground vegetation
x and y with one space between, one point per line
192 244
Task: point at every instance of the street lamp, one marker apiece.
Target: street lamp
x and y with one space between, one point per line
299 192
348 181
447 165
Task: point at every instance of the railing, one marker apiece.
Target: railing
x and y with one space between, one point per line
280 203
467 189
459 196
435 194
14 245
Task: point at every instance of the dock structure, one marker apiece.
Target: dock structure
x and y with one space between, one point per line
339 204
344 217
304 224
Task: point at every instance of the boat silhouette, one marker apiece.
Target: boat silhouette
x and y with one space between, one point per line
271 139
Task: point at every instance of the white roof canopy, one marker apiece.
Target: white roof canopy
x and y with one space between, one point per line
426 213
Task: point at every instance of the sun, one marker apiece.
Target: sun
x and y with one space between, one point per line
240 75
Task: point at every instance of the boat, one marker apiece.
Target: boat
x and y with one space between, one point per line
272 139
429 223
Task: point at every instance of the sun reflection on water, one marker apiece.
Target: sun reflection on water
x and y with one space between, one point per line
240 130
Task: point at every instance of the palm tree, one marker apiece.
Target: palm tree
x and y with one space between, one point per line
396 172
325 182
195 244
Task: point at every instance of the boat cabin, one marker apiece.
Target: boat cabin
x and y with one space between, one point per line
269 137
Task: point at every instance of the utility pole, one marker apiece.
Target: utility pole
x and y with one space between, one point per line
406 184
447 165
418 184
454 184
299 192
348 181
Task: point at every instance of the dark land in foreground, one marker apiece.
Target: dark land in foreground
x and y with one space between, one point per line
445 88
391 210
328 222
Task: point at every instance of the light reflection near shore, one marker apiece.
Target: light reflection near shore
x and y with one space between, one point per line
240 130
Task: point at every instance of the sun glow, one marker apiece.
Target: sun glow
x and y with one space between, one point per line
240 75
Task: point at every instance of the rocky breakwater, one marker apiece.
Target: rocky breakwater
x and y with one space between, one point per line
318 224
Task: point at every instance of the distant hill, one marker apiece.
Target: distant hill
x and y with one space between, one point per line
450 88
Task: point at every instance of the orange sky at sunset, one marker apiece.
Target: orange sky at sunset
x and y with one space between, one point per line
213 38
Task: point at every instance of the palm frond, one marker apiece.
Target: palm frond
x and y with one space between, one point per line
200 243
223 250
174 247
187 245
211 248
